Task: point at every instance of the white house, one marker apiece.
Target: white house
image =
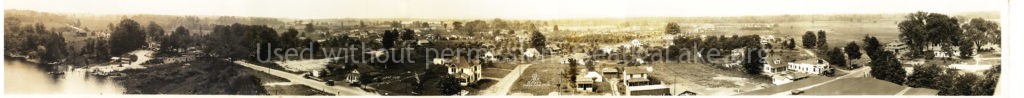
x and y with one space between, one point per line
810 66
467 71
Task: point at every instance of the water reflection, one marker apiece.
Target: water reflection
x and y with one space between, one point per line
23 77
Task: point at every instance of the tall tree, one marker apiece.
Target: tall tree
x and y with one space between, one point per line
154 30
753 61
791 44
389 38
290 38
127 37
538 40
913 33
853 50
836 57
887 68
925 76
408 35
872 47
980 32
672 28
822 43
810 40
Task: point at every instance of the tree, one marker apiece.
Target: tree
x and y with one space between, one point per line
853 50
966 49
177 40
887 68
571 72
408 35
672 28
753 61
924 76
290 38
475 26
310 28
809 40
538 40
127 37
457 25
791 44
872 47
556 28
822 43
389 37
836 57
154 30
922 29
980 32
450 85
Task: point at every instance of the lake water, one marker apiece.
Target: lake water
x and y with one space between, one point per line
24 77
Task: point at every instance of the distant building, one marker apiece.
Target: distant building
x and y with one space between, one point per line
896 47
810 66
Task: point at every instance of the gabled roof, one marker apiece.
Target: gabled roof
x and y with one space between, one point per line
610 69
580 79
634 69
638 80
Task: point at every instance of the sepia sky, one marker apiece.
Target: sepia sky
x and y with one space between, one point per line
521 9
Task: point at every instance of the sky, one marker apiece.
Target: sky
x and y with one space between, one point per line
513 9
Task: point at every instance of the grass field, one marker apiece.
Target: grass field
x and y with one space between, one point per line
705 79
856 86
548 76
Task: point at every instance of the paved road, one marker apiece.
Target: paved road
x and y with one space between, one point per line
904 91
505 84
297 79
855 73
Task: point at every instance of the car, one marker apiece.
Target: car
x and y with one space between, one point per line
329 83
796 92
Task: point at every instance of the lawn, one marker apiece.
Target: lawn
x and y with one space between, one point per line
856 86
541 79
705 79
495 72
788 86
293 89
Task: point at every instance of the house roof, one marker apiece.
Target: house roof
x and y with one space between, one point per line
646 87
634 69
638 80
580 79
592 75
459 62
812 61
610 69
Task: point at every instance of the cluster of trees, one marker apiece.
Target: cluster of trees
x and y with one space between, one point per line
127 36
240 41
753 58
922 30
471 27
34 41
790 44
884 65
810 40
953 82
